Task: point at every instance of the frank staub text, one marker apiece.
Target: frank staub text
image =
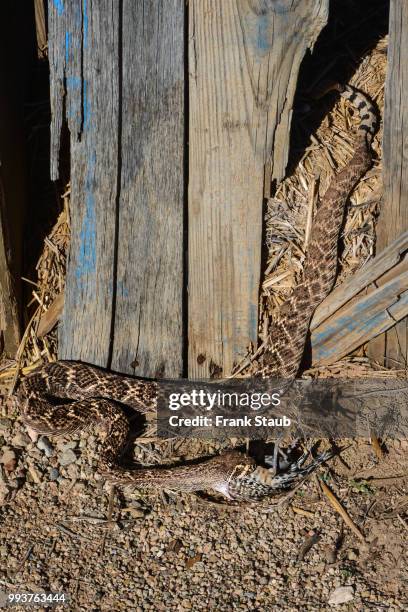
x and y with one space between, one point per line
208 407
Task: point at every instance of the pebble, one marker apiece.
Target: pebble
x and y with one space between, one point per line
4 493
45 445
63 446
8 459
33 435
20 440
73 471
54 474
341 595
67 457
63 482
35 474
330 554
5 424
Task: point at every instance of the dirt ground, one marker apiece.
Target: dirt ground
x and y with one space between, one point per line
63 529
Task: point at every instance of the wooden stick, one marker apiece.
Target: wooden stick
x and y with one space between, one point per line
339 508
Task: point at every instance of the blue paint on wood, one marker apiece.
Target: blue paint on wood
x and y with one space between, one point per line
86 265
85 104
73 82
85 271
364 327
263 39
59 6
258 31
85 22
253 321
362 316
67 46
344 326
122 289
78 14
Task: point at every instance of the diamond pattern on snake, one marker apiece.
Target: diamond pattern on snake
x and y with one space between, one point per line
94 394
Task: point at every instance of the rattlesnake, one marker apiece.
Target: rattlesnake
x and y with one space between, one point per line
234 474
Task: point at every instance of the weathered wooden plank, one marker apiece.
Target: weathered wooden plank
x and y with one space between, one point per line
370 273
244 57
360 320
123 68
148 334
92 81
40 26
57 60
392 349
50 317
9 305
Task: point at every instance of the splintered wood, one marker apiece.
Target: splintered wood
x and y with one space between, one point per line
244 59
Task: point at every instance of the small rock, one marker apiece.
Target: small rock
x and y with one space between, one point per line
7 454
14 483
67 457
67 445
33 435
63 482
45 445
20 440
34 473
341 595
4 493
72 471
8 459
352 555
20 473
54 474
330 554
5 424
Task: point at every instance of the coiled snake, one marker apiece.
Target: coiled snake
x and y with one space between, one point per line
94 393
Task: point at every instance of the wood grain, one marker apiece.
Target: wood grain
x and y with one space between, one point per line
10 332
148 329
244 58
40 26
85 52
369 274
121 66
392 348
360 320
50 317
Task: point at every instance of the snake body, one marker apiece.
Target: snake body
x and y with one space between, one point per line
95 395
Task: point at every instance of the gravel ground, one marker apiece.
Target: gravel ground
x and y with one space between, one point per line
62 529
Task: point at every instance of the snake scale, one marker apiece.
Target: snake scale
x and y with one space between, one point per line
94 394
